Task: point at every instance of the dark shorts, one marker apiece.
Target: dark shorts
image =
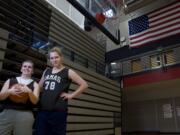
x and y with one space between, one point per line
51 123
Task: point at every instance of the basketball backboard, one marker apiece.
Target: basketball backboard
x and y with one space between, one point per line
101 13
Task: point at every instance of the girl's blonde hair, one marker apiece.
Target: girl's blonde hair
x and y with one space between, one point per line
55 49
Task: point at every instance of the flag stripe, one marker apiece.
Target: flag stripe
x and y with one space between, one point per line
165 15
157 33
161 23
157 38
166 20
156 29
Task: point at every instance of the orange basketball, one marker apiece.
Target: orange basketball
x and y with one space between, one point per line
100 18
21 98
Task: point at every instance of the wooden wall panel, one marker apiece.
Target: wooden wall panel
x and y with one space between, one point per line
96 132
89 112
3 43
67 34
73 41
92 105
89 119
98 99
88 126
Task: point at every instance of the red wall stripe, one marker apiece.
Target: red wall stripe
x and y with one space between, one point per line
151 77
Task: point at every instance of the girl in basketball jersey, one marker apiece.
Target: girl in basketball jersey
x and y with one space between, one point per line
55 82
18 96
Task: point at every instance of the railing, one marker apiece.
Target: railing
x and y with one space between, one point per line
150 61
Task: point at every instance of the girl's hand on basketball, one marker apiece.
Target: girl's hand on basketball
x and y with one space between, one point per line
25 89
14 91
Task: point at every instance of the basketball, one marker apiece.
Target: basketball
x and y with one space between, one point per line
21 98
100 18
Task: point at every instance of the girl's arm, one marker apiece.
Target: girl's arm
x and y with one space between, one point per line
33 95
78 80
6 91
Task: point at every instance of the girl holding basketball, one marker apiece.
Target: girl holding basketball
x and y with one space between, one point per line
18 96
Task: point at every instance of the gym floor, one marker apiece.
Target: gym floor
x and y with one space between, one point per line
151 133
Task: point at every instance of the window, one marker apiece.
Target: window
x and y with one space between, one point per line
156 61
169 58
116 68
136 65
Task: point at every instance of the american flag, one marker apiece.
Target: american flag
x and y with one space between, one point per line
156 25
